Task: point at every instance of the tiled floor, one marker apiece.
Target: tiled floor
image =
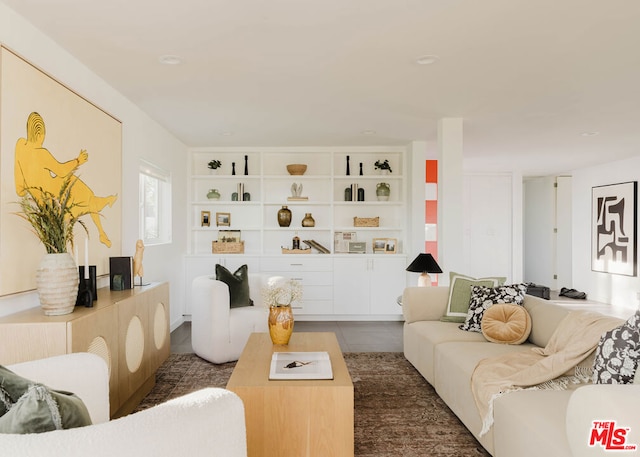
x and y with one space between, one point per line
353 336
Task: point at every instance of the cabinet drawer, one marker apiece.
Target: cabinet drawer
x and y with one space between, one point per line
313 307
310 278
295 263
317 293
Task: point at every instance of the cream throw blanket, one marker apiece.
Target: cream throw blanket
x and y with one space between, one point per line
574 339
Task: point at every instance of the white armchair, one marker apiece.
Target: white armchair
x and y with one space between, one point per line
218 332
209 422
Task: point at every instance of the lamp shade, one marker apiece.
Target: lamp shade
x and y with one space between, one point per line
424 263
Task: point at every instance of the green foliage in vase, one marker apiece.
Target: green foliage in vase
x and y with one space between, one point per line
52 217
214 164
382 165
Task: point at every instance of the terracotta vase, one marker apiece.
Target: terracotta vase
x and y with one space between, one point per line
280 324
284 217
57 284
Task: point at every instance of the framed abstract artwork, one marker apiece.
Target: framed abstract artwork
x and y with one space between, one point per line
614 228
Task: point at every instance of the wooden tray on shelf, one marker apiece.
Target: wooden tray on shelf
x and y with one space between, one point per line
296 251
218 247
366 221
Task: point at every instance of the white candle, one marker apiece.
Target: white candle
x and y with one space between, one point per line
86 258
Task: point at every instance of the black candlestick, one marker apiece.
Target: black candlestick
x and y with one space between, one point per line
361 169
246 165
233 168
348 171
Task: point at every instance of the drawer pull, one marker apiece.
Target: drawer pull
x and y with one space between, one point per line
296 264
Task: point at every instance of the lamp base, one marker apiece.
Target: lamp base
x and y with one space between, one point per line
424 280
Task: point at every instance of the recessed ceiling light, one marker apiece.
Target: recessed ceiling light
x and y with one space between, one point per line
227 133
169 59
590 133
368 132
427 59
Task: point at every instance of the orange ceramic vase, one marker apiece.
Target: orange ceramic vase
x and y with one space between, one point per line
280 324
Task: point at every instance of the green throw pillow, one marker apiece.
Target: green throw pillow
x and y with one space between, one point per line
28 407
238 283
460 294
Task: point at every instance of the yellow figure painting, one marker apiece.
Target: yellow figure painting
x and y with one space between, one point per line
36 167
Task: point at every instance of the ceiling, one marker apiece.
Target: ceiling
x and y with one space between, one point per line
543 86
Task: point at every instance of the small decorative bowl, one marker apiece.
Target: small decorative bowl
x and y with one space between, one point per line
296 168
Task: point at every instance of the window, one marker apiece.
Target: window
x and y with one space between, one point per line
155 204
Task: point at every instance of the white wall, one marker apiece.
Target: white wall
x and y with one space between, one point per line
618 290
539 221
141 138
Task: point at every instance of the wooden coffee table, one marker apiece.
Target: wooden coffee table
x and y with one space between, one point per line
294 418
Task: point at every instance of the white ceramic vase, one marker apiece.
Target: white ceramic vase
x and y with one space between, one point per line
57 283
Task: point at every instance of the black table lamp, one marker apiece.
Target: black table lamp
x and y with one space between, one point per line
425 264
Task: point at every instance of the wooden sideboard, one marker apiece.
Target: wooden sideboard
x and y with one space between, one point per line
129 329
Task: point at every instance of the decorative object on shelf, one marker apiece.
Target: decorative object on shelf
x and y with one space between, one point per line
425 264
233 168
296 192
246 197
384 167
317 246
348 169
361 169
347 194
357 247
138 269
296 251
382 191
295 243
366 221
341 241
296 169
229 242
385 245
308 220
354 192
229 236
246 165
218 247
360 194
213 166
213 194
284 217
240 191
53 218
279 295
205 218
223 219
87 288
234 197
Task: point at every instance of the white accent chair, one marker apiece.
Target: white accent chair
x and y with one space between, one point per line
218 332
209 422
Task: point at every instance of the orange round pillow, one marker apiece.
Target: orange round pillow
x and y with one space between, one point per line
506 323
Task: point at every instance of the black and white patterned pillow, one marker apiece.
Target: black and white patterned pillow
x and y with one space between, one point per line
484 297
617 354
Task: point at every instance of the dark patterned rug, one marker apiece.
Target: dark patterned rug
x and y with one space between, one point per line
397 413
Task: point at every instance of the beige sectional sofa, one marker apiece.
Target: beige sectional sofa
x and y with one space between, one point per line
527 422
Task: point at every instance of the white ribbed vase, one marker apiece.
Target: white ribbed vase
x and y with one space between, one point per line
57 283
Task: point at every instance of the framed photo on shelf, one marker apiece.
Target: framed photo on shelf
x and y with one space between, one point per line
614 228
390 246
341 241
379 245
223 219
229 236
205 218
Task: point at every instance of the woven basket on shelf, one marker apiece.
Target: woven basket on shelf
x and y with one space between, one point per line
218 247
366 221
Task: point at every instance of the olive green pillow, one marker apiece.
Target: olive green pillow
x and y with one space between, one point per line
28 407
238 283
460 294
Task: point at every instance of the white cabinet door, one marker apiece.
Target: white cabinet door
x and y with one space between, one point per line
388 280
351 286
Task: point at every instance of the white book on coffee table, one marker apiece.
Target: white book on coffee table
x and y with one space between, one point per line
300 365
